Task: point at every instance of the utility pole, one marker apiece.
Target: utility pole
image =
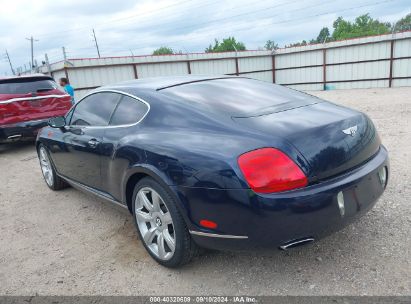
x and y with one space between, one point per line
95 40
47 63
11 66
32 50
64 54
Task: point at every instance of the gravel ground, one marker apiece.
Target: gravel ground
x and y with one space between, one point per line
68 243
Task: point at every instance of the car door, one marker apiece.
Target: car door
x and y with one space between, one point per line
121 146
80 157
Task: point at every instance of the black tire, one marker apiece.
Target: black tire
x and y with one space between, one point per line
57 183
185 248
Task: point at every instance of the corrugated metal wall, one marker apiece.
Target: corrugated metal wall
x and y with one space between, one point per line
377 61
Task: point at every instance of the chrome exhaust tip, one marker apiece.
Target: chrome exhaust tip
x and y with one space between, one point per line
297 243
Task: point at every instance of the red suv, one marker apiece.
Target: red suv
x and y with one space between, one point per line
26 103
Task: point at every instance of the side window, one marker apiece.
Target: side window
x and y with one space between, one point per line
129 111
95 110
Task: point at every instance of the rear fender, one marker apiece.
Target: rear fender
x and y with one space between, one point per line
162 179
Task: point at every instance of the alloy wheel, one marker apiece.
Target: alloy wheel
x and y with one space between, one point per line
46 167
155 223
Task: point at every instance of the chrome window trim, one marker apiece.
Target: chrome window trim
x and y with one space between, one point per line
117 126
215 235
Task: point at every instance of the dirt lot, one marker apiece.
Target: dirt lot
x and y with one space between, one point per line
68 243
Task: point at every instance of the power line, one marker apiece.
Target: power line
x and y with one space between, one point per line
207 4
227 18
247 27
235 16
248 13
230 17
114 20
286 21
104 25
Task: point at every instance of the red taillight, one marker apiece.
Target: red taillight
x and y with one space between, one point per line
270 170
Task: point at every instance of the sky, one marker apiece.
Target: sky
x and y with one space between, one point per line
137 27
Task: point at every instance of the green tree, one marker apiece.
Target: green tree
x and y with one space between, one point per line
227 45
404 24
342 28
323 36
363 25
302 43
164 50
270 45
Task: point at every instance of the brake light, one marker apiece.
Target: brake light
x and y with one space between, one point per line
269 170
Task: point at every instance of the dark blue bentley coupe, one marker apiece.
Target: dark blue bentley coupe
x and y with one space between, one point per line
217 162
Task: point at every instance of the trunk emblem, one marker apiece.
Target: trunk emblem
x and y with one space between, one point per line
351 131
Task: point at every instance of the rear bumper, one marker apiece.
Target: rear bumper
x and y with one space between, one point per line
21 131
247 220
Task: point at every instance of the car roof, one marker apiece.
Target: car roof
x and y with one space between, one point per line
160 83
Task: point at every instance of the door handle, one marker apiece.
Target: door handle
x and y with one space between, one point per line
74 130
93 143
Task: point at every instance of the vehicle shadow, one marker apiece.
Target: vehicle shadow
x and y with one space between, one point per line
10 148
332 262
348 251
332 252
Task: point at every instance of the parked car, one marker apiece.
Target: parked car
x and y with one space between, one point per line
218 162
26 103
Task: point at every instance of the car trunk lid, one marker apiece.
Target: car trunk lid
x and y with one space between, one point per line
333 139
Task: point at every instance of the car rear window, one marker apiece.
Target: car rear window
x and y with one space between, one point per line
24 86
240 96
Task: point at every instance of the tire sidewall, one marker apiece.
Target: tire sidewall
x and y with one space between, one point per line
53 172
180 229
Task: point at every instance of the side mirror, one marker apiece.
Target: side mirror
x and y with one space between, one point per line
57 122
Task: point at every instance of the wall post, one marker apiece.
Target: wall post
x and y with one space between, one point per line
135 71
391 64
188 67
237 69
324 69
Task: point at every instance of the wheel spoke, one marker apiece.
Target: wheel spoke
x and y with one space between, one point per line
166 218
145 201
149 235
156 201
161 248
143 216
169 240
